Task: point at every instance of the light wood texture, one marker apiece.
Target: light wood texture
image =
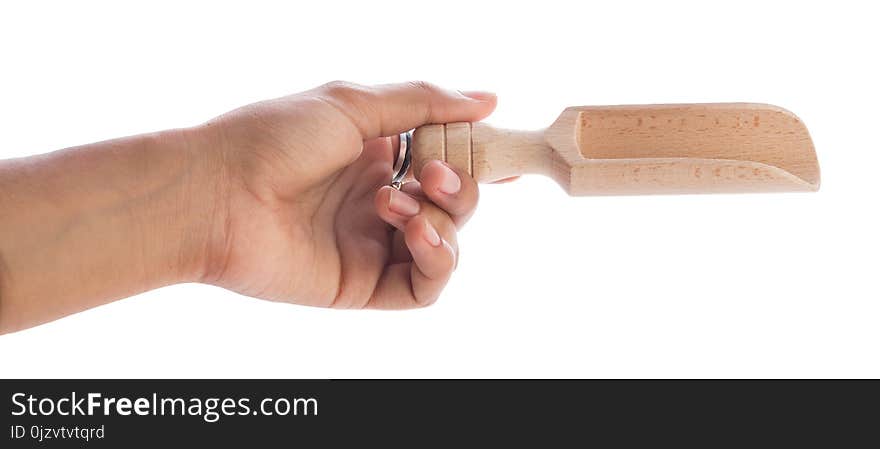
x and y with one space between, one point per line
608 150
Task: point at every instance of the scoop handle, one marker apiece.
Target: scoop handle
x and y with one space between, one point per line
486 153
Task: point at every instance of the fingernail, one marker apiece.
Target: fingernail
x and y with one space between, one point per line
478 95
403 204
431 235
450 183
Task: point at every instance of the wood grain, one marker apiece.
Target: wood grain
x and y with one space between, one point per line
645 149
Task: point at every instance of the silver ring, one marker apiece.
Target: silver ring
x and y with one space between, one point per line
404 159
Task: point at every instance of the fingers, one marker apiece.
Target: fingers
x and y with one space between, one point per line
428 256
455 193
418 283
428 213
395 207
394 108
433 259
452 190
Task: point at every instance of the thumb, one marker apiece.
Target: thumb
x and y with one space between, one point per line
390 109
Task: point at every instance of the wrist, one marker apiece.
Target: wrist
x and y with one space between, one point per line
204 198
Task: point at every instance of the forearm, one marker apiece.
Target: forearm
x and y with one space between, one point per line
84 226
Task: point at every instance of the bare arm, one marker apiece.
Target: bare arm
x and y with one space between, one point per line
83 226
285 200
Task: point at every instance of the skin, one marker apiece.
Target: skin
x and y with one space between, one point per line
285 200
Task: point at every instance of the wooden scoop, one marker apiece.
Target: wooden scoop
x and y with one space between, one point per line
633 150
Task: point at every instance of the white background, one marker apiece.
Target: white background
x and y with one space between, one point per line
773 285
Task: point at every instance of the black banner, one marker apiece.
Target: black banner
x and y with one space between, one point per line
119 413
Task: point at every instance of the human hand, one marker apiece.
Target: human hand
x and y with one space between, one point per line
307 215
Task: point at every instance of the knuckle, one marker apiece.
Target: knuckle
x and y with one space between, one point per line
424 86
355 101
342 90
429 93
336 86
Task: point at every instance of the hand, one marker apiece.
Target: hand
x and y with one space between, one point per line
309 217
285 199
